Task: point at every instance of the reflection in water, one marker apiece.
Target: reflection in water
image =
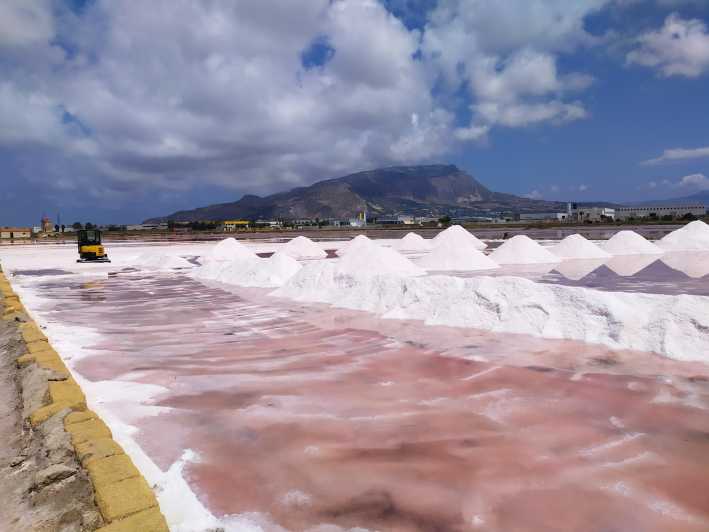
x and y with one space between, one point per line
577 269
692 263
629 265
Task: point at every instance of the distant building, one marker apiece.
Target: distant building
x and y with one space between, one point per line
162 226
229 226
673 211
11 233
268 223
581 214
544 216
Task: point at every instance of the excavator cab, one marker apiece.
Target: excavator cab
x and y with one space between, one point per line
90 248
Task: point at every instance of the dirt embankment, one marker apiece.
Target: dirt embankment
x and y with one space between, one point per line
42 485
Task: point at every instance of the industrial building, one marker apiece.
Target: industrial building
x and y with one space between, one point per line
11 233
660 211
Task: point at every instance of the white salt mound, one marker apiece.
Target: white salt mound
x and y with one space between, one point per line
673 326
157 261
301 247
577 247
692 237
229 249
457 235
577 269
448 256
413 242
354 244
367 257
253 271
630 243
521 249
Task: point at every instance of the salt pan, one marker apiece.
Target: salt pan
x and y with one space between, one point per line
577 247
457 235
577 269
630 243
448 256
521 249
413 242
692 237
301 247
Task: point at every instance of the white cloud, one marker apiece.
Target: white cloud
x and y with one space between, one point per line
505 54
694 181
679 154
24 22
583 188
679 48
534 194
181 94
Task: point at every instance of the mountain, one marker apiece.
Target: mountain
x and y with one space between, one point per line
430 190
698 198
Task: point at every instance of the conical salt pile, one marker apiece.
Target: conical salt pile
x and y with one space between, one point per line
355 243
630 243
457 235
692 237
459 258
370 258
229 249
301 247
521 249
577 247
413 242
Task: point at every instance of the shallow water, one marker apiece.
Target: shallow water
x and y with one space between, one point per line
303 415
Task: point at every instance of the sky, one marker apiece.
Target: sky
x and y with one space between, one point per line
114 111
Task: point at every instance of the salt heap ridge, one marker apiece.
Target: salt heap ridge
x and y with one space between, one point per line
449 256
521 249
577 247
630 243
457 235
692 237
301 247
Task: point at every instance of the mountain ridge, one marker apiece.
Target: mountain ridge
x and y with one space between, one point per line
421 190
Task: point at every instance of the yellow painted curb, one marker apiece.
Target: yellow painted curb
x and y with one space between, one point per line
150 520
111 469
124 498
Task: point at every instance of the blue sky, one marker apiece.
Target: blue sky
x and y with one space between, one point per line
112 113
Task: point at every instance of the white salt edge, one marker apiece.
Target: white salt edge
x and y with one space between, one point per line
521 249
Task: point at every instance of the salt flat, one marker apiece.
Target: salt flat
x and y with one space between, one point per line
250 411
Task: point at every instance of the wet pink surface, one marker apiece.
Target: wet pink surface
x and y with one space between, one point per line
312 415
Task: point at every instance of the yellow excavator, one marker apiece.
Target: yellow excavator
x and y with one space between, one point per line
90 248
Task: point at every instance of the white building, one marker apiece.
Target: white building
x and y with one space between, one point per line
660 211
